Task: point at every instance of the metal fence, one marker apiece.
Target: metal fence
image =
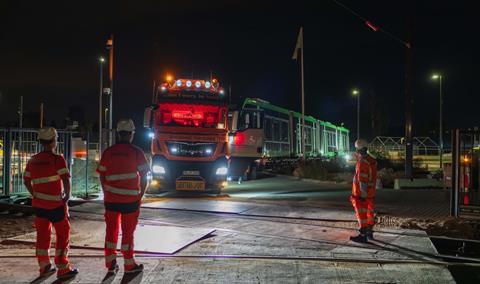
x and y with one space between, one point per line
19 145
465 196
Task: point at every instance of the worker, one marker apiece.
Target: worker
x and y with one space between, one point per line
44 176
123 173
363 191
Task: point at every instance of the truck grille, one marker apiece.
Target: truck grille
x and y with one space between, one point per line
189 149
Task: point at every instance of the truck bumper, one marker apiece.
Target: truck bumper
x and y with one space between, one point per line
187 170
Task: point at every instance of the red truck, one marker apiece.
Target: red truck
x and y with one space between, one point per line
188 124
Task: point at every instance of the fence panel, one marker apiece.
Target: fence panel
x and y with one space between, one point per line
3 169
19 145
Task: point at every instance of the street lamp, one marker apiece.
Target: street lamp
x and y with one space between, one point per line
439 77
101 60
356 93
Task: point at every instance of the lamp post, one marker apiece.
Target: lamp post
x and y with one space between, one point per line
356 93
439 77
106 115
101 60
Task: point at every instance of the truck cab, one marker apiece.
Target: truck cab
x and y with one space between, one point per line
188 128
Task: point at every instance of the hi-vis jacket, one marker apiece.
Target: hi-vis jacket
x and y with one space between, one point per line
121 166
45 171
365 177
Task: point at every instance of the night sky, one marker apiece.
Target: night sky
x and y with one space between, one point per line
49 53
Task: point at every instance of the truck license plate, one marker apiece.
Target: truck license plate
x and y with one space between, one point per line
190 185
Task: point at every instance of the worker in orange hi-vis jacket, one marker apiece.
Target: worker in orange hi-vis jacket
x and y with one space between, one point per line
363 191
45 176
123 173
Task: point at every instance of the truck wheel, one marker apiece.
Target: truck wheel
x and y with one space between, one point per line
252 174
216 191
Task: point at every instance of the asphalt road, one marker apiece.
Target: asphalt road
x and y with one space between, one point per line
272 230
412 203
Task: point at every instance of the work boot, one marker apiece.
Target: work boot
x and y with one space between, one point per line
370 233
69 274
361 238
47 270
113 267
136 268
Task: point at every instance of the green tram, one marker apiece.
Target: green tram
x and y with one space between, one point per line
282 132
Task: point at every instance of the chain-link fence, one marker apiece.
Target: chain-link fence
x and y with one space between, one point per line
17 146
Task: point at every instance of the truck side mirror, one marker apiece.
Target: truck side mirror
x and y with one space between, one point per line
147 117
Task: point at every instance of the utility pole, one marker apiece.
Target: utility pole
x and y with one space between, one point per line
356 93
298 46
408 101
110 76
229 94
303 101
100 104
41 115
20 112
441 122
153 92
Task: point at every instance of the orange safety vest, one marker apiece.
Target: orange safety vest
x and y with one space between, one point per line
45 171
121 166
365 172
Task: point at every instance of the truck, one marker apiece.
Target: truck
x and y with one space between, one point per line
189 135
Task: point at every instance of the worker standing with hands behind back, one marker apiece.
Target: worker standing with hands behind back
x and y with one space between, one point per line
123 173
45 174
363 191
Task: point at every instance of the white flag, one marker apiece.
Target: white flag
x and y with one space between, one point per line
299 44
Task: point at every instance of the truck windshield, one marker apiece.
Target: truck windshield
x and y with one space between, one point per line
191 115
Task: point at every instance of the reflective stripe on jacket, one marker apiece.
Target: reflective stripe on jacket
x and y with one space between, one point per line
365 177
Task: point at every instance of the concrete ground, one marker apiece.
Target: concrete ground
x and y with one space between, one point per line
274 230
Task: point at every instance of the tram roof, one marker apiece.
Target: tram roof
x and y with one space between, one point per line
267 105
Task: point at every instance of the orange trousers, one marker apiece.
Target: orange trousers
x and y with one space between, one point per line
364 210
62 240
128 222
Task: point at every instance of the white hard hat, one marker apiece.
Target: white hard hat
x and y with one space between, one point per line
360 144
125 125
47 133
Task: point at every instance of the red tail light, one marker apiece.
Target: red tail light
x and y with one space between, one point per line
239 138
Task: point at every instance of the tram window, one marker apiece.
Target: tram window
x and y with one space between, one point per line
276 131
268 129
250 119
284 131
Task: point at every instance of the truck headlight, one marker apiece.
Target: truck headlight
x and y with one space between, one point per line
221 171
157 169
